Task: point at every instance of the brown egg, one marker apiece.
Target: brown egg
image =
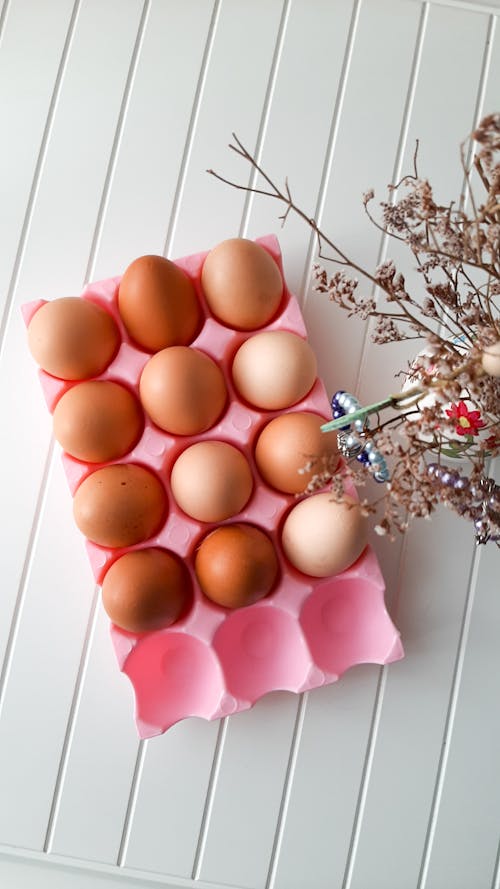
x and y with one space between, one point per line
274 369
72 338
322 536
290 442
183 390
211 481
242 284
97 421
236 565
158 304
146 590
120 505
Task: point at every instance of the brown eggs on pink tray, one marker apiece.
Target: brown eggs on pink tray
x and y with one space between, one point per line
221 583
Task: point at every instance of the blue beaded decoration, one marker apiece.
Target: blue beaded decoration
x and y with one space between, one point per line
338 408
343 404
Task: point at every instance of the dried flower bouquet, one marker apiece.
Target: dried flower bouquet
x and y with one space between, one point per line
449 407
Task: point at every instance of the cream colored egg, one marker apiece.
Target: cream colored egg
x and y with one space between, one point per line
322 536
274 369
491 359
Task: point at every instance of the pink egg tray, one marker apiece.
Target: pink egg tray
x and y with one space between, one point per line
214 662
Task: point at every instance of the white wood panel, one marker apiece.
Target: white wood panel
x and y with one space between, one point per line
150 154
39 684
393 818
168 811
442 115
308 79
22 870
26 91
364 155
38 34
99 766
464 840
232 96
463 837
324 783
54 263
247 795
396 802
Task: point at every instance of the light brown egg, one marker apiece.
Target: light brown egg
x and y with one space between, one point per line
183 390
146 590
290 442
97 421
274 369
242 284
120 505
72 338
158 304
236 565
211 481
323 537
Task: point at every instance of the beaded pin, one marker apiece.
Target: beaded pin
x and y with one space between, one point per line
343 405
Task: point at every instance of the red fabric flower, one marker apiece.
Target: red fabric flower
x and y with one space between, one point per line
468 422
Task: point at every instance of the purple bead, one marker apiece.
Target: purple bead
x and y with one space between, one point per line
432 469
335 399
461 483
448 478
363 457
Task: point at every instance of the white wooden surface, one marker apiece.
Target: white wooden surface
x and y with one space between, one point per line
110 112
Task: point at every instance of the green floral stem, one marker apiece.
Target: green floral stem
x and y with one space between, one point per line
360 414
401 401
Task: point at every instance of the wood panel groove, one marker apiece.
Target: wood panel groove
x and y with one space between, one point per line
79 873
449 722
397 170
209 799
132 802
365 778
71 723
3 18
495 883
191 128
287 787
264 118
18 606
42 152
330 151
476 6
89 272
